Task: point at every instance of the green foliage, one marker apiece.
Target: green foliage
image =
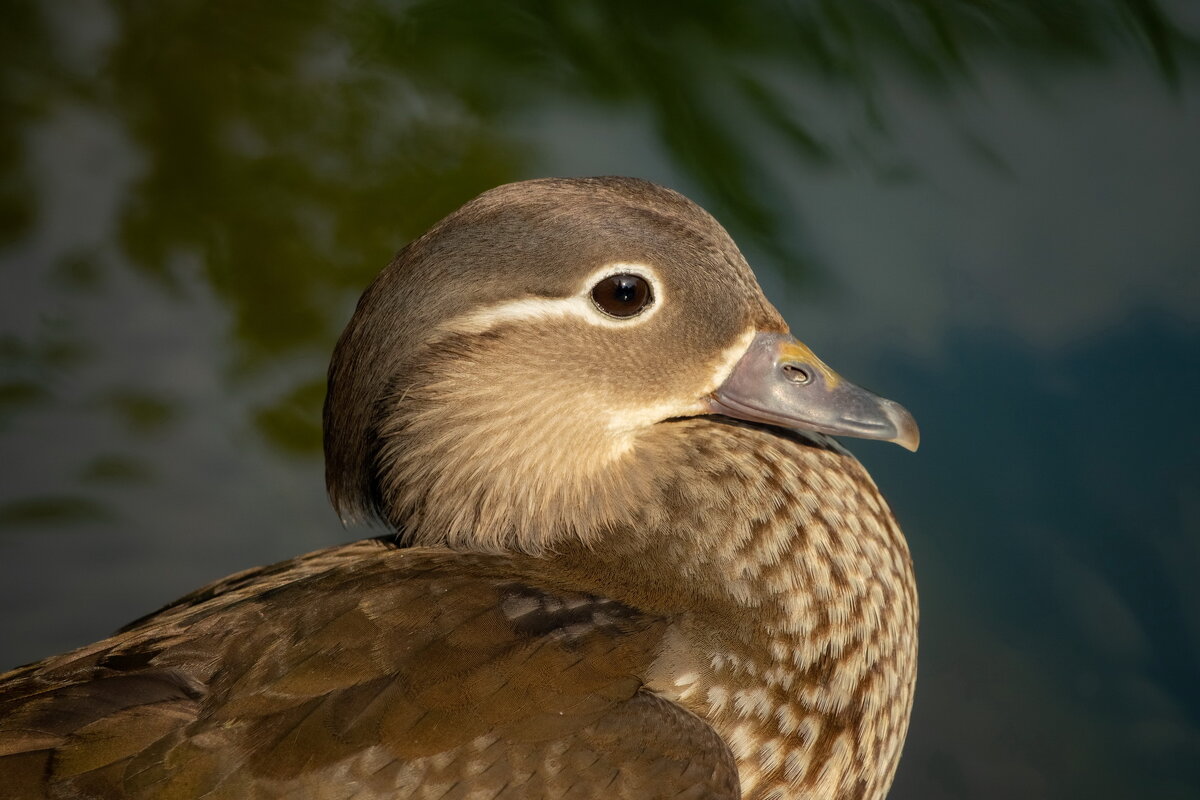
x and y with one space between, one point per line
292 424
56 510
141 412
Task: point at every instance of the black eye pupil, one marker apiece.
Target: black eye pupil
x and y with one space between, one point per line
622 295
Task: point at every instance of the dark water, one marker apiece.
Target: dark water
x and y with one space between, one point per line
990 212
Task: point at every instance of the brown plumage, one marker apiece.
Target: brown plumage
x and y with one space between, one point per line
601 583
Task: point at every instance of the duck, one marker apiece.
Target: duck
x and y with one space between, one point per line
625 555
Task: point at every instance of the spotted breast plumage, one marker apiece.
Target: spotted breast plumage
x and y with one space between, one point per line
626 561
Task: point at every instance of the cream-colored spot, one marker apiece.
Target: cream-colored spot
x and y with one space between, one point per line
780 675
686 678
717 698
786 720
795 764
835 771
810 729
770 753
753 702
675 673
743 741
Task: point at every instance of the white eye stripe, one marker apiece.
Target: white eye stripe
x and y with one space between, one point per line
580 305
524 310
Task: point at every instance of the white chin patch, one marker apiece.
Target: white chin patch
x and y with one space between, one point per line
631 420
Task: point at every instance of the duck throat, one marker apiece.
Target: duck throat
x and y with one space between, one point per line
794 607
476 458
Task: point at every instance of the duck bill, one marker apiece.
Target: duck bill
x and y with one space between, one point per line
779 381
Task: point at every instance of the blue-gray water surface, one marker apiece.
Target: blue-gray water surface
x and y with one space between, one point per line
989 212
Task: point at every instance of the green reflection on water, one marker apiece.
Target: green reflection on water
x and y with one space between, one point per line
52 510
289 153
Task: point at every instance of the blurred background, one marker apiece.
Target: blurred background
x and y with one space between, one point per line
989 211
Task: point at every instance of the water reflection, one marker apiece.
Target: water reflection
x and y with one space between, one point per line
986 210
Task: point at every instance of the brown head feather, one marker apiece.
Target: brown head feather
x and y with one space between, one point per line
412 376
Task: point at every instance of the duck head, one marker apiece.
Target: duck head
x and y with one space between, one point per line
503 381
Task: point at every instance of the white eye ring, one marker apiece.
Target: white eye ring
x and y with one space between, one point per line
646 305
623 295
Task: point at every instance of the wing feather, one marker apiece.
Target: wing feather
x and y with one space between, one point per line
364 672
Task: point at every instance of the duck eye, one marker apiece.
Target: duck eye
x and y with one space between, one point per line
622 295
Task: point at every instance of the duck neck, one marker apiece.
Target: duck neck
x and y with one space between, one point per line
793 598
